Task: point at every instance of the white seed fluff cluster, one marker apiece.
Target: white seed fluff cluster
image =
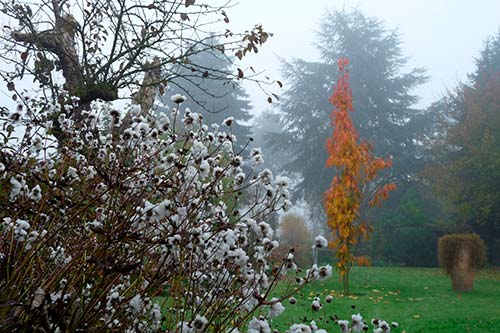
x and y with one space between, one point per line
137 223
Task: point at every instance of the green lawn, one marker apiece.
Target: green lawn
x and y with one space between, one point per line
419 299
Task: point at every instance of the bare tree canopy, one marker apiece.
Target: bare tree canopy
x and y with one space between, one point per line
99 48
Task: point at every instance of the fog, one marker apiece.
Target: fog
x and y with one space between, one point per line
147 185
442 36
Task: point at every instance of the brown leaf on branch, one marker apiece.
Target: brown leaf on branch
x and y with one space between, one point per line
226 19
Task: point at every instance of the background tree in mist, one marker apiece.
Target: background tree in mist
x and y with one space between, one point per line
267 124
466 153
212 95
382 100
294 234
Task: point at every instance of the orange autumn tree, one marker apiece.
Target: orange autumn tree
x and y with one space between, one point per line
356 171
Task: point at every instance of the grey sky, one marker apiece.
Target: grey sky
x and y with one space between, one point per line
443 36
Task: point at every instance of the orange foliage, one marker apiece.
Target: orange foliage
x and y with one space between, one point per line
363 261
356 167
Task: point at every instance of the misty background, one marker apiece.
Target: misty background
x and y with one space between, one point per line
442 36
445 39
